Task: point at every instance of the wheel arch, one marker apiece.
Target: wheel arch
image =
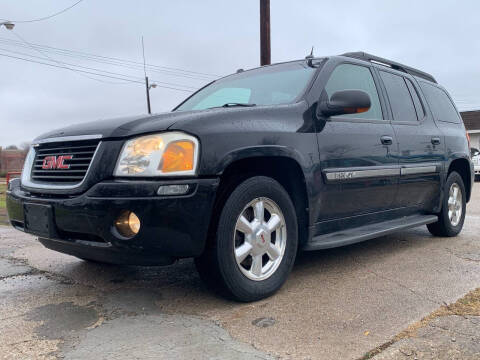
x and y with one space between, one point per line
285 169
462 167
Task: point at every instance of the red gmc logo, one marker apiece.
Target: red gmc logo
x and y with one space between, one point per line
56 162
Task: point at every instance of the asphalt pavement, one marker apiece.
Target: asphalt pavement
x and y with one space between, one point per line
337 304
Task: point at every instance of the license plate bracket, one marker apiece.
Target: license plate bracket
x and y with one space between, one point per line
39 220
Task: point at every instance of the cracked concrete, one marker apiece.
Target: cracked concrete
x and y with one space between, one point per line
338 303
445 338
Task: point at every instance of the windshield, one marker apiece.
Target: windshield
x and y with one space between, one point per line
278 84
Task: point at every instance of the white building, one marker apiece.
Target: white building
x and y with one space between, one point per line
471 120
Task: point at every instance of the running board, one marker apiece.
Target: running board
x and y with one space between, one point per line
367 232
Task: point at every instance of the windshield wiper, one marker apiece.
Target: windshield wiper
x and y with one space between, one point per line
227 105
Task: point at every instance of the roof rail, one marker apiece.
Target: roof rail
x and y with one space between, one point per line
394 65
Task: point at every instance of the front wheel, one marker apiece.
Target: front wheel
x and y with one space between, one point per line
451 218
256 242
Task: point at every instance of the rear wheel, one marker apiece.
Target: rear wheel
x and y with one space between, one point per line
255 244
451 218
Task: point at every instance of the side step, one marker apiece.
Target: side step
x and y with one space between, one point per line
367 232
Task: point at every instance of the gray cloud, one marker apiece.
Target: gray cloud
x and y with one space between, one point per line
217 37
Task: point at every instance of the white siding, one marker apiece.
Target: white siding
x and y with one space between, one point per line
475 141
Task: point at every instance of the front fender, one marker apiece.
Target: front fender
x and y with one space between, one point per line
260 151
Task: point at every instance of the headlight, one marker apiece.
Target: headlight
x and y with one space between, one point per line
169 153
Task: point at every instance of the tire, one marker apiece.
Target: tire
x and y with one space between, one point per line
448 226
92 261
256 276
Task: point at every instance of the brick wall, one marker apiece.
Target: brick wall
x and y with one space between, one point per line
11 160
471 119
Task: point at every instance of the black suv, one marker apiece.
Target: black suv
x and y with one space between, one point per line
252 168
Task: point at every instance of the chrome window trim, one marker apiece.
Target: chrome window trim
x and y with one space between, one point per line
26 179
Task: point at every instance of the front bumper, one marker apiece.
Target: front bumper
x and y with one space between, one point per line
83 225
477 169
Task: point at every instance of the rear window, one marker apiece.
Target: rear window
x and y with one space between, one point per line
440 104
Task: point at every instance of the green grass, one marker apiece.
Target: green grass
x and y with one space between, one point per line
3 189
3 210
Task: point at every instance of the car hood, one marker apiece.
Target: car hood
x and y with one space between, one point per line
136 125
121 127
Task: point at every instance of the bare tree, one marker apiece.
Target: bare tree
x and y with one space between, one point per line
25 146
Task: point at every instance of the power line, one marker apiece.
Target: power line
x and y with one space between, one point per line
48 57
45 17
14 43
67 65
88 72
94 69
114 63
117 61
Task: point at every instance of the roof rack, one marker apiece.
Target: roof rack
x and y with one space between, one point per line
392 64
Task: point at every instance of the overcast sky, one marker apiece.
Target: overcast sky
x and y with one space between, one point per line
212 37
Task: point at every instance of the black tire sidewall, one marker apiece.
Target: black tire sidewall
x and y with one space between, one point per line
237 283
454 177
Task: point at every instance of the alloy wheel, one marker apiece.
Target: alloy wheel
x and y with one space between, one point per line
260 239
455 205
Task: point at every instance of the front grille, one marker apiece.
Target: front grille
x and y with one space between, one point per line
63 163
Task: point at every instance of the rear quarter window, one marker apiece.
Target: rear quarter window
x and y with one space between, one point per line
440 104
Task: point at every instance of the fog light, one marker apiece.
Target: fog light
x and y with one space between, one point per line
173 189
128 224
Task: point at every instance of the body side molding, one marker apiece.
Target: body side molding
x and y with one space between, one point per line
345 174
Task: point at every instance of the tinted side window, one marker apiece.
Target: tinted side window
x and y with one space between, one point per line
416 100
354 77
440 104
399 96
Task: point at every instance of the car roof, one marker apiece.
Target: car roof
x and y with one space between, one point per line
363 56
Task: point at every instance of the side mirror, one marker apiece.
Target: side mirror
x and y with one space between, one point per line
344 102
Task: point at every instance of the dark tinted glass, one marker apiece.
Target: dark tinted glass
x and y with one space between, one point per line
353 77
440 104
399 96
416 99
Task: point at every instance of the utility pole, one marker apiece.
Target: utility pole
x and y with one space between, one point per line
265 50
148 95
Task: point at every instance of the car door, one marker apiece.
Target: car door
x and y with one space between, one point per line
419 141
357 152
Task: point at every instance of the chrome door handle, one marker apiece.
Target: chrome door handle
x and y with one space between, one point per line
386 140
436 141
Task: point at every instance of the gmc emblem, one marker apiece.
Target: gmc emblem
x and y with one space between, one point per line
56 162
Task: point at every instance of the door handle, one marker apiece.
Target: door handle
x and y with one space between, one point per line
386 140
436 141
